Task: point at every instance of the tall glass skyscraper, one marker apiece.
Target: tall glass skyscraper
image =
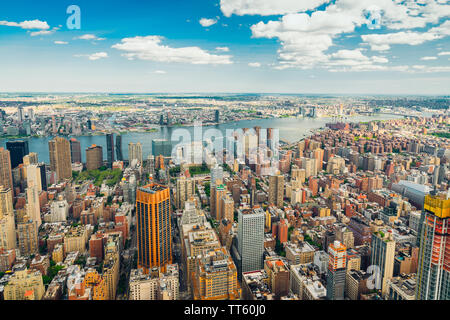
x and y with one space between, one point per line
161 147
217 116
433 272
119 153
110 149
43 171
18 149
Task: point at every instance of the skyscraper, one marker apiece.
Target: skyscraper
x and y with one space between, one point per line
33 206
43 170
161 147
154 231
75 150
20 115
34 176
34 187
250 240
6 179
433 272
135 152
110 149
336 271
119 148
31 158
217 116
310 167
27 236
18 149
185 189
382 256
220 191
7 222
94 157
276 190
318 155
442 173
60 159
227 208
216 174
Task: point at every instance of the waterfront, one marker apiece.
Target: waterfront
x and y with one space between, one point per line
290 130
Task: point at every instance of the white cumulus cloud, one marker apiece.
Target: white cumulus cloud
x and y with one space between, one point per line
207 22
428 58
94 56
224 49
355 60
28 24
89 37
267 7
151 48
306 38
44 32
382 42
98 55
254 64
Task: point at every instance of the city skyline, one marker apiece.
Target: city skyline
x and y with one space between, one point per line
238 150
246 46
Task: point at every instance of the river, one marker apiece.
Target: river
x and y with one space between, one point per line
290 130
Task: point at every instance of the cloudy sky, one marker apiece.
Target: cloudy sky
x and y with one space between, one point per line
285 46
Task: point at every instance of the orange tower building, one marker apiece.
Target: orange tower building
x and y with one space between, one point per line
336 271
154 230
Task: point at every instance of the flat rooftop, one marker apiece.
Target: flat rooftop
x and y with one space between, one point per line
152 188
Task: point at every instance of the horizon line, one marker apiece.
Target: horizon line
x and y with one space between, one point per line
225 93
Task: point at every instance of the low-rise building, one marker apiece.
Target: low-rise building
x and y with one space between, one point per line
305 282
402 288
299 253
278 276
155 285
75 239
255 286
216 276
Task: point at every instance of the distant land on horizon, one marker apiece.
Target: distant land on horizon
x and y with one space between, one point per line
221 94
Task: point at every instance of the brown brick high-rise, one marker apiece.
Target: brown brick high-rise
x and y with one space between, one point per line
5 169
60 158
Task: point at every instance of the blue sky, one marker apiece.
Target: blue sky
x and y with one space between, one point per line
286 46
